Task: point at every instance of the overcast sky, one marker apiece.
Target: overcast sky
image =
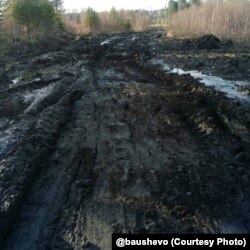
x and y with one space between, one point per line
100 5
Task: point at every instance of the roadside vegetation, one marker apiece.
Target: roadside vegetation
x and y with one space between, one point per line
107 21
32 20
228 19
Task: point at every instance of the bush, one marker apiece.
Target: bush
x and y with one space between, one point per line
127 25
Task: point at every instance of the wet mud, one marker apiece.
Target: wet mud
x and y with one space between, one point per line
96 138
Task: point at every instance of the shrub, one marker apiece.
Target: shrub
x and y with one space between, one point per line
127 25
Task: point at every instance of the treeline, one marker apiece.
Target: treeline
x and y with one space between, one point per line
162 16
35 19
178 5
123 20
108 21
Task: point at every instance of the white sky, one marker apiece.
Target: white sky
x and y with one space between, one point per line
100 5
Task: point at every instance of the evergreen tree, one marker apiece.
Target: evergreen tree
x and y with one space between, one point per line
172 7
35 15
113 15
91 18
195 2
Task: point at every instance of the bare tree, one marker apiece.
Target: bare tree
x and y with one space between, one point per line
58 4
1 10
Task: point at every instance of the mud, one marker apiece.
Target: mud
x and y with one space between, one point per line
228 61
96 139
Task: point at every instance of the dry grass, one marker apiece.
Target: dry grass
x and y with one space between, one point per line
11 30
228 19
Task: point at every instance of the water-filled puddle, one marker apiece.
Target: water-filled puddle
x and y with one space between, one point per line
232 89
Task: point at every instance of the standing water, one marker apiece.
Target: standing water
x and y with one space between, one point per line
230 88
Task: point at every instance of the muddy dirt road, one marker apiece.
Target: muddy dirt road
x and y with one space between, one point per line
97 138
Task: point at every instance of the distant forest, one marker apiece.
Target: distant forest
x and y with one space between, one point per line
35 19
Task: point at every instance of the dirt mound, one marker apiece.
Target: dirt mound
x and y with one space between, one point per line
47 44
207 42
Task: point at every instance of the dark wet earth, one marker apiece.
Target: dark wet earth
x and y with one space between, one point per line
96 138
